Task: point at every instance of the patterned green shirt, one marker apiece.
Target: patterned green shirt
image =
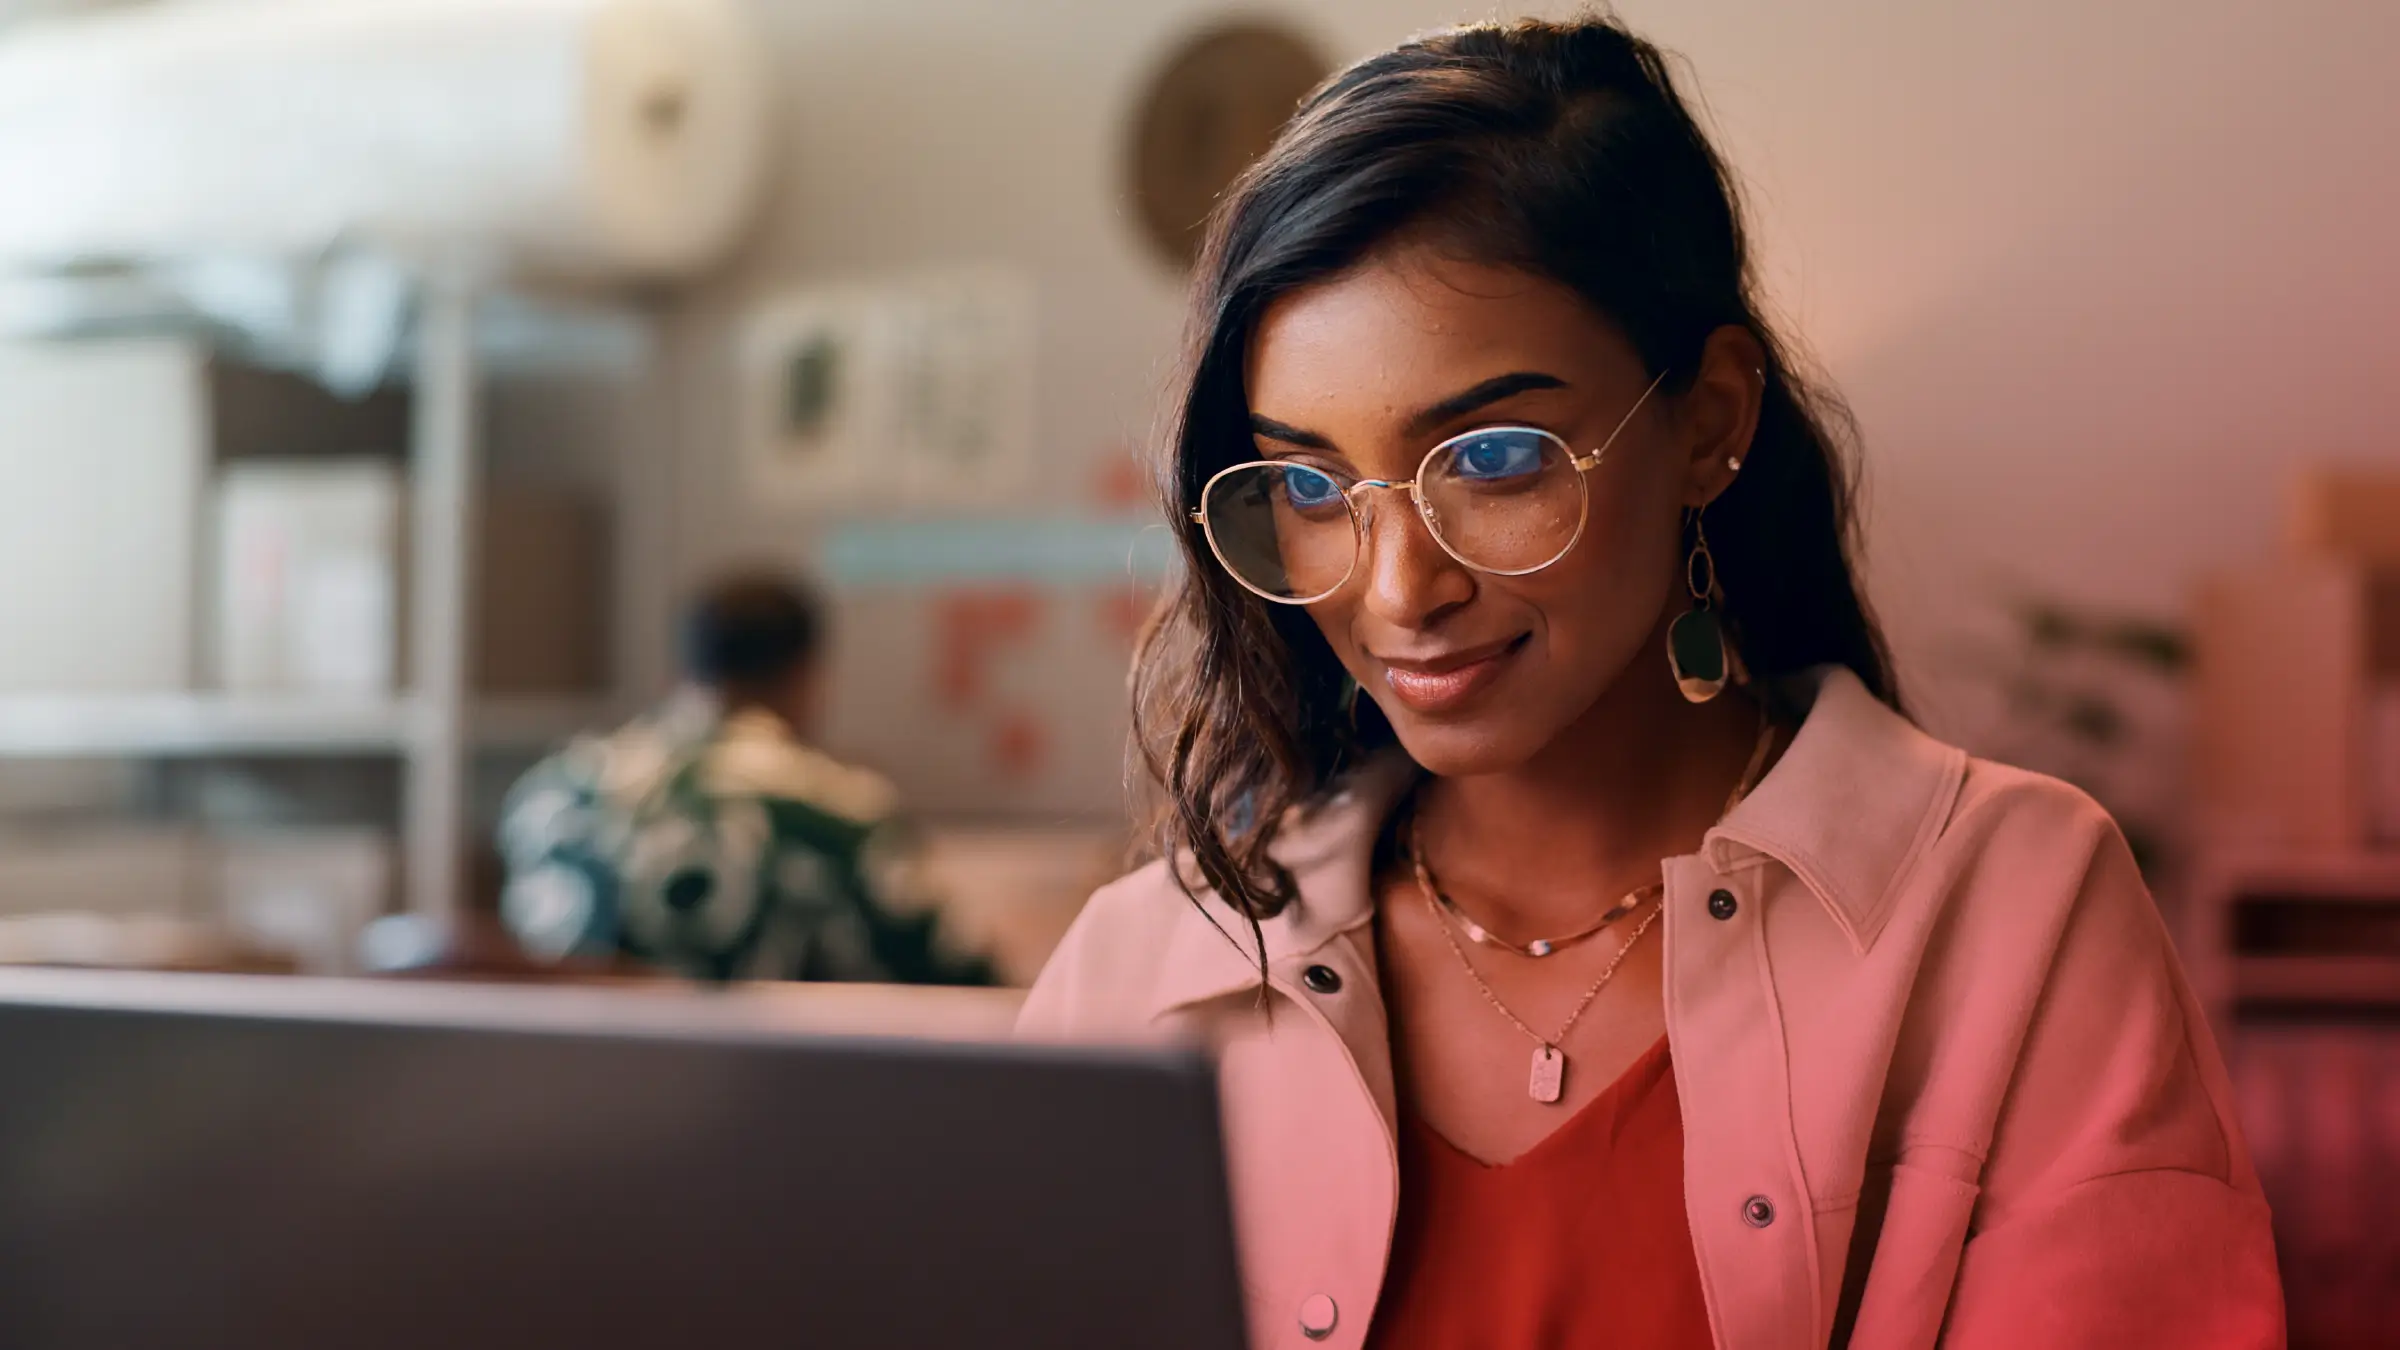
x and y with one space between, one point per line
724 849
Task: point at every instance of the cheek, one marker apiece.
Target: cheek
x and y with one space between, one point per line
1333 619
1606 597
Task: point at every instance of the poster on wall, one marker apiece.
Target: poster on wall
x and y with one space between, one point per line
902 392
982 662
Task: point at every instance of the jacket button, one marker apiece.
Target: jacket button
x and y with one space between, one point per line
1319 1315
1322 980
1721 904
1758 1211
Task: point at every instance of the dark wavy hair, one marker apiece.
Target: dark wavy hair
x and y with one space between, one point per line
1565 151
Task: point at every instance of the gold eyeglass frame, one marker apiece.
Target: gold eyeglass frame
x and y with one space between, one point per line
1415 487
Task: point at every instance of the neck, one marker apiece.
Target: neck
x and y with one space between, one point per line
778 702
1642 776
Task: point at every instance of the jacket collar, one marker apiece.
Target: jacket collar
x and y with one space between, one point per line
1854 802
1329 848
1860 796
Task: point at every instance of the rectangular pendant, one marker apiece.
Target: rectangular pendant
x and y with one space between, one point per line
1549 1074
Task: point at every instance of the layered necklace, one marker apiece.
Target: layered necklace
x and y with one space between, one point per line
1548 1081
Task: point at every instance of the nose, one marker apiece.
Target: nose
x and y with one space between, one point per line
1410 579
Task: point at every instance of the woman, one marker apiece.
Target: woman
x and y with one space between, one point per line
1518 562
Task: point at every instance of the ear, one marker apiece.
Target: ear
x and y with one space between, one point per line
1719 412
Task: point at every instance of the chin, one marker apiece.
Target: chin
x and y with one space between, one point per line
1494 743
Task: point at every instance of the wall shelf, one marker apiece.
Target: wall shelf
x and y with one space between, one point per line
199 725
167 725
537 723
2297 889
462 329
517 332
2318 981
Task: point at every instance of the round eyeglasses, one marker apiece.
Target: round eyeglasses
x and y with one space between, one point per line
1508 501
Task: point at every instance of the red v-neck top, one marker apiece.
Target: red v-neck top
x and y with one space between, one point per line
1580 1242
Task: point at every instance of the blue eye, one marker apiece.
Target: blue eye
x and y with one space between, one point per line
1497 456
1305 487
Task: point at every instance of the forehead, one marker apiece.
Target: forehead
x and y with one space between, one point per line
1408 327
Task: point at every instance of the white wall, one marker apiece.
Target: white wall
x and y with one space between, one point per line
2093 275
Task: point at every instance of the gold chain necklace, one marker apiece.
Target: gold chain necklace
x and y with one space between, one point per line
1482 936
1548 1081
1549 1062
1478 934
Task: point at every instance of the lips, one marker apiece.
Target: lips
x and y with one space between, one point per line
1446 680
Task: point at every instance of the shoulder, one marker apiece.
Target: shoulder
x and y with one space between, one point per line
1894 807
2033 887
565 800
1888 825
1146 945
2031 837
2026 823
757 759
1104 975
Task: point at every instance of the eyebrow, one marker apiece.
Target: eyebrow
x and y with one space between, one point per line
1288 434
1427 419
1489 392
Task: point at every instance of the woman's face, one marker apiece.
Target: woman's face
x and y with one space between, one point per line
1364 373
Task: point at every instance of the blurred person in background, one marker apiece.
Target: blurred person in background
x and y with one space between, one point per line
710 839
1599 953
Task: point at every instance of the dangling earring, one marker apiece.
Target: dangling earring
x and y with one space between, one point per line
1696 640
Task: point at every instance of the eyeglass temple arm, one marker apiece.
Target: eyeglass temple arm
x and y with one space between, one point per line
1587 463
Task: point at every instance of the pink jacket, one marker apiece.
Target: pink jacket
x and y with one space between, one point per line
1942 1079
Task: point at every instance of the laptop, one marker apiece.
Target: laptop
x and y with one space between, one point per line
196 1161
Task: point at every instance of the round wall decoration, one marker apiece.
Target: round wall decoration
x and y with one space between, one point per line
1212 108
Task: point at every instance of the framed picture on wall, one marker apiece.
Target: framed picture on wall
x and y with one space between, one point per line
807 388
904 392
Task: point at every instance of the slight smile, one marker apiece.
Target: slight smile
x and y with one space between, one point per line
1443 681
